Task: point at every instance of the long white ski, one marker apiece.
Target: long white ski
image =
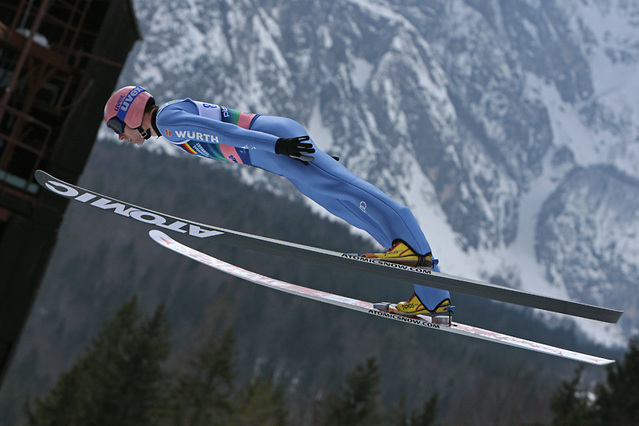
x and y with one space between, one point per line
367 307
351 262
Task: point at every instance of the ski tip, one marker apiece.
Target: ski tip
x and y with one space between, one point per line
41 176
160 237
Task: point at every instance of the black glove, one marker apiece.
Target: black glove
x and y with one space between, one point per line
295 148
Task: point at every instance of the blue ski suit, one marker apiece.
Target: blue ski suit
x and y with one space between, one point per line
212 131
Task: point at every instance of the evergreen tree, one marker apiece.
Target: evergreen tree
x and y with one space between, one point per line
617 399
425 417
428 414
118 380
202 393
260 402
357 400
569 404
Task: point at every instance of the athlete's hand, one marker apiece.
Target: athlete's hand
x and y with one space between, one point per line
295 148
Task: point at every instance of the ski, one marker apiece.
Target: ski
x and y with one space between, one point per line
382 310
351 262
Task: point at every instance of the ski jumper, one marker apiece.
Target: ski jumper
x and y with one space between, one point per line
212 131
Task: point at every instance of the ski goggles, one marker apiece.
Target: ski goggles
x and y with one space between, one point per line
116 125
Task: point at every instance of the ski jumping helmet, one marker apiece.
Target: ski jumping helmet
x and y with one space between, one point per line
126 106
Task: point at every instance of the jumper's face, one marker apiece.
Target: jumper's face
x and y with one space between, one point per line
131 135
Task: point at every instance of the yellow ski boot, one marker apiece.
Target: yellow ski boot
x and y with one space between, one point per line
402 254
414 307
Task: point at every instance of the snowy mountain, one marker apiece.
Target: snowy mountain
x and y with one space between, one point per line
511 128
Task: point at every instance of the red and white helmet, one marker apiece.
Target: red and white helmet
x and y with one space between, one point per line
126 106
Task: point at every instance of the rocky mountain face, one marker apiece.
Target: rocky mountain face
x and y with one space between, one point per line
510 127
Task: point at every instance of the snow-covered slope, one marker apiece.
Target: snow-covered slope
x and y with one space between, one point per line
510 128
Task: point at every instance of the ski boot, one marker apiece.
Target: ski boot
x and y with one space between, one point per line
442 314
402 254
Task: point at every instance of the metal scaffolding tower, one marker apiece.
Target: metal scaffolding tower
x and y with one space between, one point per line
59 61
